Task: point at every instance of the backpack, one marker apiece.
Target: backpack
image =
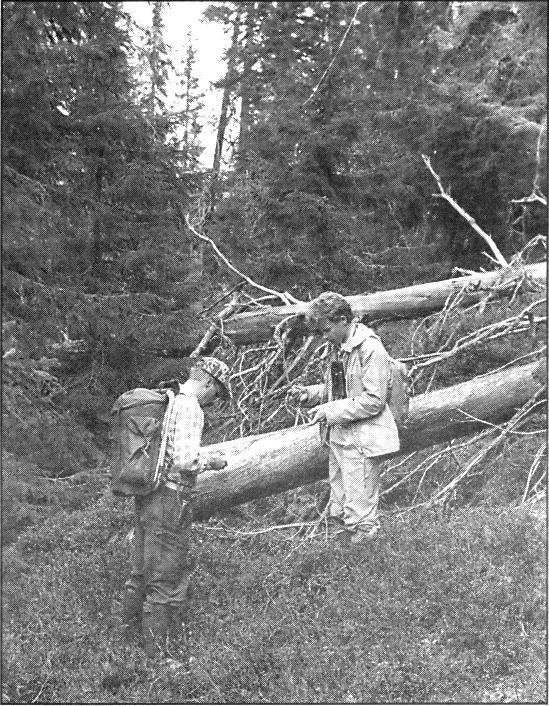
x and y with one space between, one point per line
400 390
139 432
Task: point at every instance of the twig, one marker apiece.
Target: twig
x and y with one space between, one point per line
277 333
537 194
301 354
229 309
536 462
497 426
514 324
436 456
315 89
444 194
221 298
535 495
253 533
284 296
515 421
512 362
531 199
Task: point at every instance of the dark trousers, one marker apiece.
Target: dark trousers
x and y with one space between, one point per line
161 564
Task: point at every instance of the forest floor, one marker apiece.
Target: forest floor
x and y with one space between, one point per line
442 607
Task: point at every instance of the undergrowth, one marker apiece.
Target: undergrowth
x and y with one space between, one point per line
440 609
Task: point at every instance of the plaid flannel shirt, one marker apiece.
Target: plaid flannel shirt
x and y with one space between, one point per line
184 436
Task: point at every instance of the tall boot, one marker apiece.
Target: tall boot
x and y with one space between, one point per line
132 606
179 619
156 621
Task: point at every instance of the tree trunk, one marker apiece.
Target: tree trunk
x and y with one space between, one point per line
409 302
224 114
245 89
259 466
405 303
97 248
540 180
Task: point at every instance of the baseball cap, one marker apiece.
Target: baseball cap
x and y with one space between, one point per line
218 370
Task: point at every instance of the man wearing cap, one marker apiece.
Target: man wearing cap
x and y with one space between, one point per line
161 566
352 409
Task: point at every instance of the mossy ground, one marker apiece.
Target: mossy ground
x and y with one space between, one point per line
439 609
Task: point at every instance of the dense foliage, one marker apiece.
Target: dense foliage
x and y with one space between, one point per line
93 180
334 118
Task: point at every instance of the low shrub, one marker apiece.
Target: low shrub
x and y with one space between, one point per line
437 610
29 496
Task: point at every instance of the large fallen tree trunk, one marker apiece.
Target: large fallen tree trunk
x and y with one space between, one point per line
405 303
266 464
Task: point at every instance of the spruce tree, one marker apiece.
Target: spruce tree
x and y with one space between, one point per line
191 101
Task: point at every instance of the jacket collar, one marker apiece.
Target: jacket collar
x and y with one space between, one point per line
357 337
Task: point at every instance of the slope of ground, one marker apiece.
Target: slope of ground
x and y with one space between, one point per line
443 608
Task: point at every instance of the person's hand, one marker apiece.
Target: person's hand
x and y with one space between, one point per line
299 394
216 463
317 414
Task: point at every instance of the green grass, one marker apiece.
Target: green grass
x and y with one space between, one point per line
440 609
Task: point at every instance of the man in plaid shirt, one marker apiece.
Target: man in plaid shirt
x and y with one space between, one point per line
161 566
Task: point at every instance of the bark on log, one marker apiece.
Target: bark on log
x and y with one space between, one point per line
259 466
406 303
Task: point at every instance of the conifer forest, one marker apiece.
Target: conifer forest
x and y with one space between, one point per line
393 152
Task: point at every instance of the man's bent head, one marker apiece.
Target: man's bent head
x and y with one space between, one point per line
213 369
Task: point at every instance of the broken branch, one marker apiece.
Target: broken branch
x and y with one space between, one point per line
284 296
474 225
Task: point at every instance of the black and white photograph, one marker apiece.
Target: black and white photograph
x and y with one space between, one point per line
274 352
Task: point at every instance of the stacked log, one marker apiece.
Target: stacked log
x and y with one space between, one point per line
405 303
262 465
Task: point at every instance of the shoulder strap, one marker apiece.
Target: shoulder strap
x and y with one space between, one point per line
165 430
391 377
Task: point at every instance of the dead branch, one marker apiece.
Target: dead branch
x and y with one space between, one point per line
351 23
229 309
300 355
427 463
533 468
517 420
284 296
537 194
446 196
515 324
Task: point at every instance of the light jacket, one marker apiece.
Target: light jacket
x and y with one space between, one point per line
363 419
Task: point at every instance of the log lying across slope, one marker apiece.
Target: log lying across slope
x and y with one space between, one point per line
405 303
272 463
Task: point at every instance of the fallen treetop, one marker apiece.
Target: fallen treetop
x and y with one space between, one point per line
262 465
406 303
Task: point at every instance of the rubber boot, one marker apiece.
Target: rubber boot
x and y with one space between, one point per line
156 621
179 621
180 616
132 606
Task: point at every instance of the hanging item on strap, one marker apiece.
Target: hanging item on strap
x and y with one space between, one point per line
400 390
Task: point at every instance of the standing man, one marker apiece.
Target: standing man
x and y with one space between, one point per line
352 409
161 566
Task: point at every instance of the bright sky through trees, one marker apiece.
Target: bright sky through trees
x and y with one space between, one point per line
209 44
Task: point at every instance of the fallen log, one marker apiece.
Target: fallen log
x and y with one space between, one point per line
266 464
406 303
